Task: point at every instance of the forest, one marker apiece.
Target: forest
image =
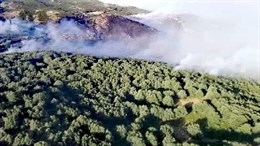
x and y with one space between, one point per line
54 98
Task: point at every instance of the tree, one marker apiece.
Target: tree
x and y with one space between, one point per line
11 96
51 98
26 15
168 140
182 94
22 139
151 138
42 16
168 101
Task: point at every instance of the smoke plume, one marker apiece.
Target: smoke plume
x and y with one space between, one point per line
216 37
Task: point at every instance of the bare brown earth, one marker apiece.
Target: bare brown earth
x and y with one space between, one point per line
54 9
191 100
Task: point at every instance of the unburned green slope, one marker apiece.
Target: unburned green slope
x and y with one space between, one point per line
49 98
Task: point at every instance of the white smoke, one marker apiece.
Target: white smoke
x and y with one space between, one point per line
211 45
7 27
217 37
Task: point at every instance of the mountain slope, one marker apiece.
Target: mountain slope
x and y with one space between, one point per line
86 22
50 98
48 10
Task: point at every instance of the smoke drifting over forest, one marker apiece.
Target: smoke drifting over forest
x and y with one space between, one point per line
216 37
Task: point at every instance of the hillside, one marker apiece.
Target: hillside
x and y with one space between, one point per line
53 23
51 10
50 98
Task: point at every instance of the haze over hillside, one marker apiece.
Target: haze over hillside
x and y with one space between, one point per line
215 37
220 37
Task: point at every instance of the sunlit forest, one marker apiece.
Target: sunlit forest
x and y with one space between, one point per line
50 98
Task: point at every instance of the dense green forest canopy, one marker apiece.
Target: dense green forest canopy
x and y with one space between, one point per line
50 98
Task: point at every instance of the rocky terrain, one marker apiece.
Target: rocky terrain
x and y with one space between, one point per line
106 26
51 10
99 21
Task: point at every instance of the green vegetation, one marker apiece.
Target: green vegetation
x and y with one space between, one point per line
38 9
49 98
26 15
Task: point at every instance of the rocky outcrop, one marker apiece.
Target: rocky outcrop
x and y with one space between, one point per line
106 26
47 10
117 25
93 28
96 23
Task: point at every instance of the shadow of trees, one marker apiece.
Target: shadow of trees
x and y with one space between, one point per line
209 135
72 97
215 136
